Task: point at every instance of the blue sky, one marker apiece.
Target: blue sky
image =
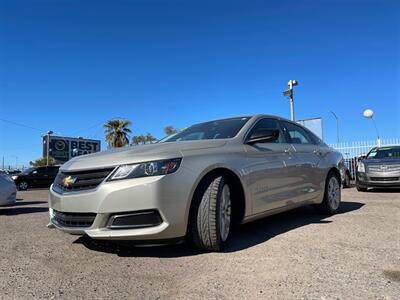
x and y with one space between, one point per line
68 65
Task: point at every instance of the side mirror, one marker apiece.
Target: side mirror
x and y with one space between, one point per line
34 172
263 135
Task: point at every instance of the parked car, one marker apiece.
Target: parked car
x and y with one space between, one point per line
8 191
35 177
380 168
13 172
197 183
345 175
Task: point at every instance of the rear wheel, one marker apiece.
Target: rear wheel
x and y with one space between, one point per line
332 196
22 185
210 219
346 182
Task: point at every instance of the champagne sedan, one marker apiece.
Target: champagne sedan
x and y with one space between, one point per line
197 183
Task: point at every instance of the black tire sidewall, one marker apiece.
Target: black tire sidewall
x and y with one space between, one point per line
194 229
326 205
361 188
346 180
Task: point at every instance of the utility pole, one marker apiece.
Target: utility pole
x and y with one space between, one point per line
289 93
48 145
337 126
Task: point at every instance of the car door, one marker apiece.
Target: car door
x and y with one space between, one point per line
38 177
269 179
305 163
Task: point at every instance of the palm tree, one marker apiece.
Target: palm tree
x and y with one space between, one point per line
169 130
150 138
136 140
117 132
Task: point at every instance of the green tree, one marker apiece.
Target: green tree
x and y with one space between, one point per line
143 139
42 162
117 132
169 130
150 138
136 140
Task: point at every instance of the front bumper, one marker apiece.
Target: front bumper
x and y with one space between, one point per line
167 195
378 179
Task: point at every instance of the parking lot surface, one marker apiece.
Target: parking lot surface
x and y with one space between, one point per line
295 255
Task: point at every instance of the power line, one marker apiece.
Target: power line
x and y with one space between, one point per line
22 125
87 128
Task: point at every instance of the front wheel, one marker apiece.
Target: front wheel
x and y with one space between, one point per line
332 197
361 188
22 185
210 221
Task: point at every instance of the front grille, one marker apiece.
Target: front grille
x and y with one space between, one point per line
74 219
384 168
80 180
384 178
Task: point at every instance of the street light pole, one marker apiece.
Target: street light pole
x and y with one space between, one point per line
378 140
369 114
289 93
337 125
48 146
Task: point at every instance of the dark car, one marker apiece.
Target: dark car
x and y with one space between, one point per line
35 177
345 176
379 169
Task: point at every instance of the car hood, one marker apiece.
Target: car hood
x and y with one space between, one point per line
137 154
380 161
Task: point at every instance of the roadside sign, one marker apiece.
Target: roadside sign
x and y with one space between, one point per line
63 149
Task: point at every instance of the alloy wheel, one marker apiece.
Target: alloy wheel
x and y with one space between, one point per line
23 185
225 212
334 193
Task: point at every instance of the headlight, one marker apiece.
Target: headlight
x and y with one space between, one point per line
14 177
152 168
361 167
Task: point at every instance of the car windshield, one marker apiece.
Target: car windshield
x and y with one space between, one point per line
219 129
384 152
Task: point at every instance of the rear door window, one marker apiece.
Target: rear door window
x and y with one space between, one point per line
296 134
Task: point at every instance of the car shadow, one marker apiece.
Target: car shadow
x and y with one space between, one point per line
19 208
245 236
383 190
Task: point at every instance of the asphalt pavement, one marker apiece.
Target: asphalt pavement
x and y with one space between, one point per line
295 255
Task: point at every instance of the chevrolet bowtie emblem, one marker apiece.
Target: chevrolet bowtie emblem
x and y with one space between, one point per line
67 181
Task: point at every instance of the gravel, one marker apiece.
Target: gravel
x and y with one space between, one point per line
295 255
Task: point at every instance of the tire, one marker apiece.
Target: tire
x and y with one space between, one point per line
22 185
210 218
346 183
332 195
361 188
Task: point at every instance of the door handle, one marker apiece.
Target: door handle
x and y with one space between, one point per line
287 150
317 152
